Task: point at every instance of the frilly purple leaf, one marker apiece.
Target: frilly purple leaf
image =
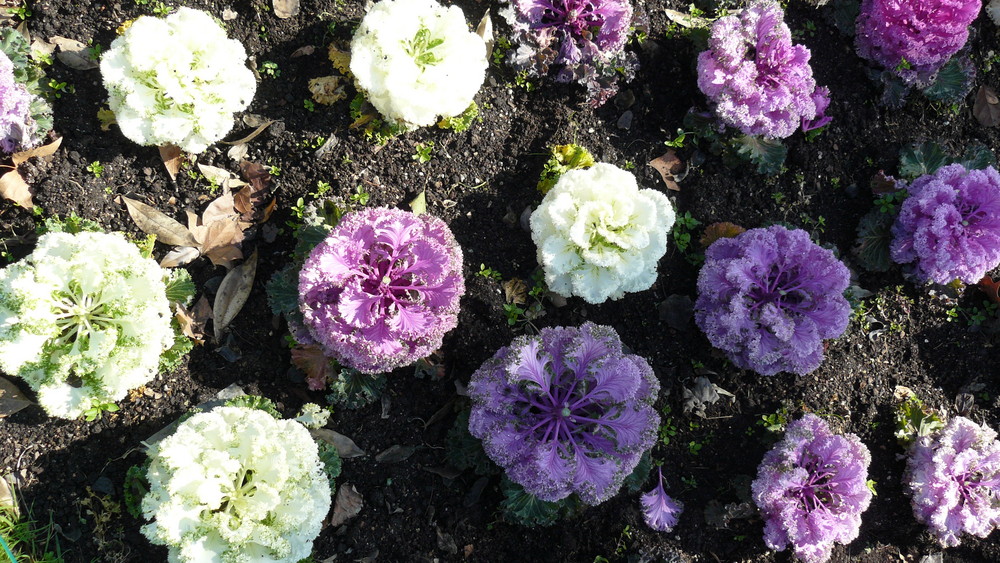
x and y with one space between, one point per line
17 128
565 412
769 297
811 489
758 80
949 226
659 510
382 289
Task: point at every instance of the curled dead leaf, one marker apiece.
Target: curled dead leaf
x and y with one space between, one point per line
515 291
715 231
485 30
14 188
346 448
192 323
154 222
260 129
73 53
37 152
285 9
341 59
171 157
233 294
986 108
327 90
303 51
671 169
11 398
180 256
347 505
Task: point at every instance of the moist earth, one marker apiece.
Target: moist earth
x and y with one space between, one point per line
480 182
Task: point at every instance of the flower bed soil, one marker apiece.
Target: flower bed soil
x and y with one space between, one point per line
410 512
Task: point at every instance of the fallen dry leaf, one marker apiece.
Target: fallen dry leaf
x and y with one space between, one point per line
485 30
228 15
40 47
14 188
670 168
686 20
233 294
171 157
986 108
515 291
395 454
346 448
250 200
180 256
990 287
73 53
238 152
192 323
7 500
11 398
253 135
327 90
285 9
347 504
37 152
303 51
316 366
107 118
882 184
154 222
715 231
341 59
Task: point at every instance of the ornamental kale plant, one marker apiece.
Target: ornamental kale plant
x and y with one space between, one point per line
382 289
954 479
759 82
25 117
579 41
176 80
598 235
235 484
769 297
811 489
659 511
949 226
914 40
83 319
416 60
566 411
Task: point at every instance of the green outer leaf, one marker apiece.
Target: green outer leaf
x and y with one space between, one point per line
171 358
180 288
977 157
768 154
953 81
72 224
255 402
353 389
527 510
331 462
638 476
283 289
464 451
874 238
135 488
919 159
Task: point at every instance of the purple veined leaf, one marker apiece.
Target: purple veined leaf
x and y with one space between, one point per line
659 511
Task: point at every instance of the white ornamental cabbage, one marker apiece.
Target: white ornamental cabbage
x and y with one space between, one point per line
598 235
236 485
416 60
177 80
83 320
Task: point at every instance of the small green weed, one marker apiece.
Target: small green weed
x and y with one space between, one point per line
489 273
96 168
424 152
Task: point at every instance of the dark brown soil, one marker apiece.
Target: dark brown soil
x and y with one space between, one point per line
489 172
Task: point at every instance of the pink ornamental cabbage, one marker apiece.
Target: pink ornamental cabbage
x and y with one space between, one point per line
769 297
759 82
16 125
954 478
914 38
575 40
811 489
382 289
949 226
659 510
566 411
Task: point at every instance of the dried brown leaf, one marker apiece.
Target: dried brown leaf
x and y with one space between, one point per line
180 256
686 20
14 188
73 53
238 152
303 51
192 323
715 231
260 129
41 47
269 210
395 454
669 166
515 291
222 208
153 221
11 398
990 287
233 294
882 184
485 30
986 108
171 157
341 59
327 90
229 15
347 505
215 175
37 152
7 501
285 9
346 448
225 255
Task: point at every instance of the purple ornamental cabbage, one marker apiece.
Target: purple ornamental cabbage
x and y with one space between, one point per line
949 226
769 297
566 411
659 510
16 125
576 40
811 489
382 289
914 39
954 478
759 82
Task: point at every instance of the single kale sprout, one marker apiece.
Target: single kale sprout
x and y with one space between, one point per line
954 479
598 235
769 297
949 226
759 82
18 130
382 288
566 411
236 484
659 511
416 60
576 41
811 489
913 40
176 80
83 319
